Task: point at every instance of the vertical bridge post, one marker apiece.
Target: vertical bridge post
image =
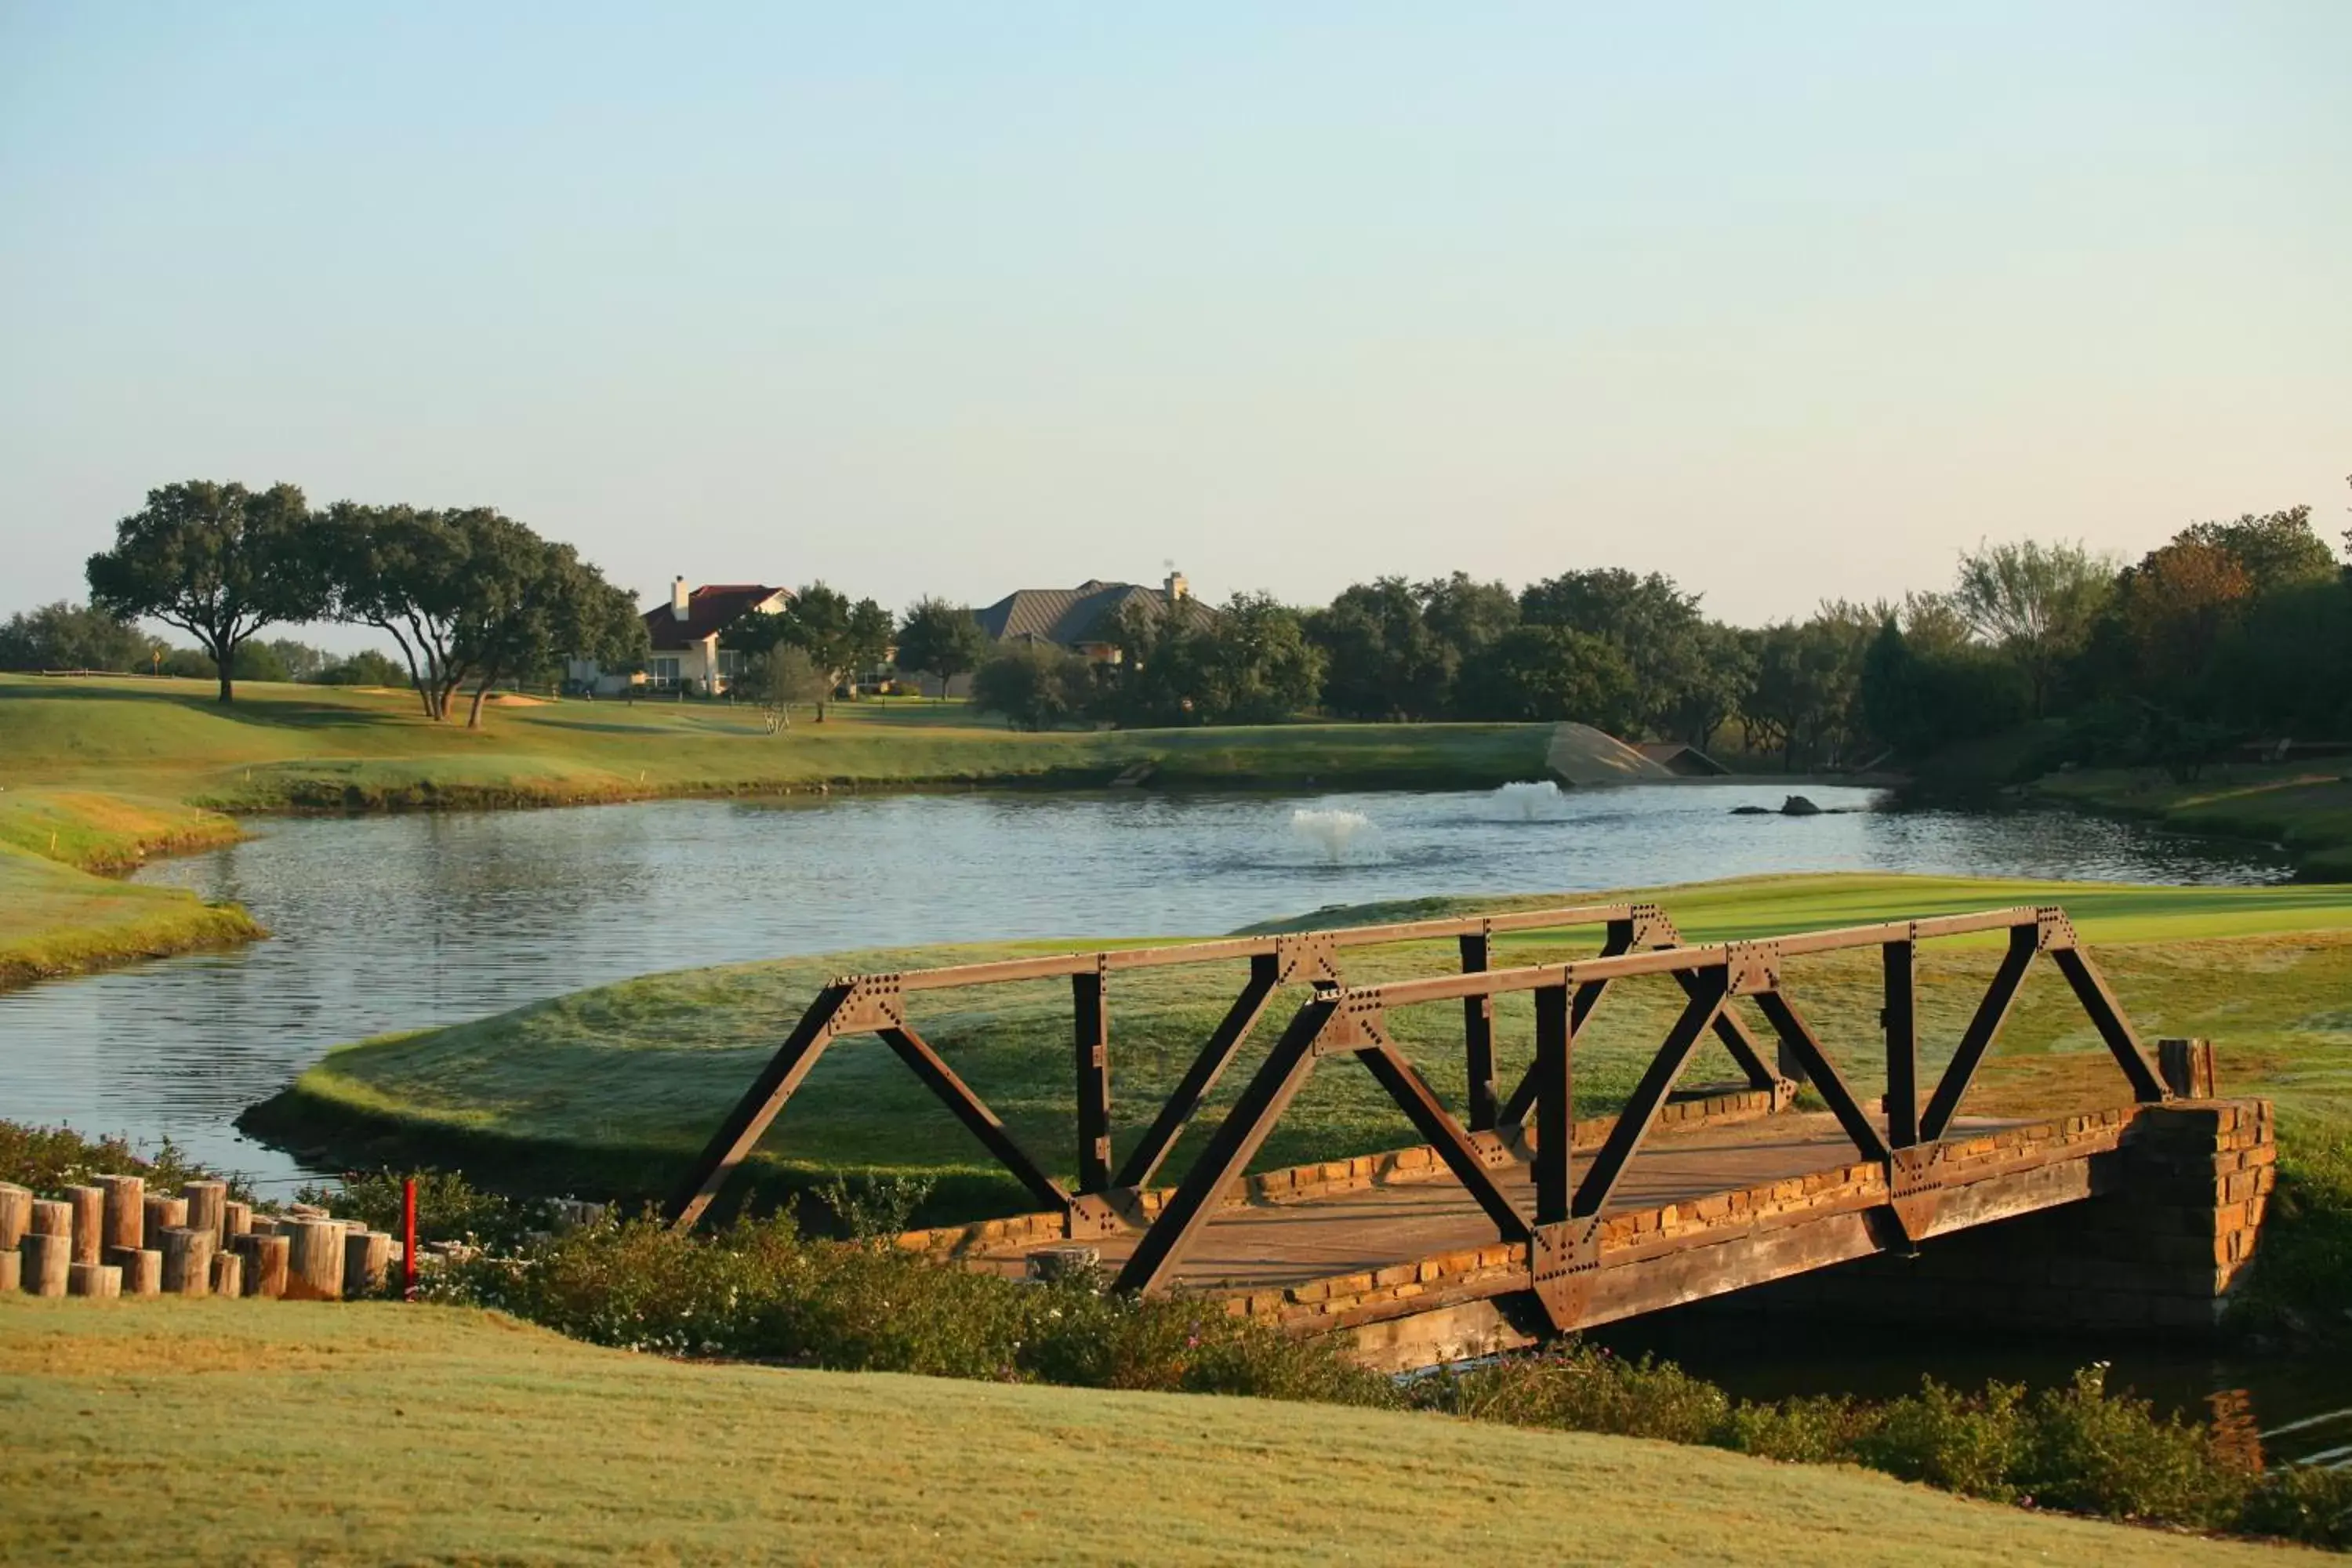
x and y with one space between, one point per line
1478 1038
1090 1005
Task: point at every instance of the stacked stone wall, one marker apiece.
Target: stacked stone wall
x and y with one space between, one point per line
2167 1238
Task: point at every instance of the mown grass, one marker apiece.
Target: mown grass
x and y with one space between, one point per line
175 1431
614 1089
307 746
59 916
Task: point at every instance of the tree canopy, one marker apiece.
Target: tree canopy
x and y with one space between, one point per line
943 640
218 561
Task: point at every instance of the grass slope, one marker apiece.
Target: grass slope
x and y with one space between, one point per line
171 1431
283 746
615 1088
2306 809
58 917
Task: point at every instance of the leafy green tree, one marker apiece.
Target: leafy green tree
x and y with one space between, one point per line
1718 680
779 679
366 667
2276 550
1258 666
299 660
2035 602
1545 674
74 636
1037 686
840 636
406 572
1655 625
472 596
1806 698
534 603
942 639
1382 660
1921 697
219 561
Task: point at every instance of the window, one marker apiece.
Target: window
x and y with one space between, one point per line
662 671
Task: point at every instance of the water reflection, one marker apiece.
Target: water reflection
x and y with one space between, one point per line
408 922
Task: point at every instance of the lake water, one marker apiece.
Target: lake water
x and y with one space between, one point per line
394 923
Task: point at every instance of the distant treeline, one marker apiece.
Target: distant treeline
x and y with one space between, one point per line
2229 632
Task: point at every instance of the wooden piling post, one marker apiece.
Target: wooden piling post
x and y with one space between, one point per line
264 1255
53 1216
142 1269
89 1222
94 1279
207 1202
187 1261
12 1270
314 1262
162 1214
228 1274
237 1219
126 1212
2186 1067
48 1261
15 1215
367 1262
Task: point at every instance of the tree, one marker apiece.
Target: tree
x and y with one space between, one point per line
470 595
777 679
366 667
1381 661
840 637
1258 666
2278 550
2037 603
219 561
533 603
1655 624
1544 674
404 572
74 636
939 639
2177 603
1036 685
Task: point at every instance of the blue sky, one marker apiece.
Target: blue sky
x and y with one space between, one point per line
1790 301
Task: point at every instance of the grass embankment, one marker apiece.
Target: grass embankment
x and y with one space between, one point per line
60 913
170 1431
2304 808
613 1090
281 746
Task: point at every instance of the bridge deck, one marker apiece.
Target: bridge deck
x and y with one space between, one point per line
1270 1245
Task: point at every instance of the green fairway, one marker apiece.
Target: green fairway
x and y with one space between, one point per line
168 1431
281 745
615 1088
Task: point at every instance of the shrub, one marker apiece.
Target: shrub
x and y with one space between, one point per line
1963 1443
2302 1503
759 1291
2095 1452
448 1207
1581 1387
48 1158
1821 1429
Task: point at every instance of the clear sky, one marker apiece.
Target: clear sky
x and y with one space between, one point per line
1788 301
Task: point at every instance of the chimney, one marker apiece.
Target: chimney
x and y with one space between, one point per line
1177 588
678 609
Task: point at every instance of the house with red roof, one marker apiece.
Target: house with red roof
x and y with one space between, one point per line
686 634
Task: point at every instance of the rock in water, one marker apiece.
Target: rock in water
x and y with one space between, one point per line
1797 806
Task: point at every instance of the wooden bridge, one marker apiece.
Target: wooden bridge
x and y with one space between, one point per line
1513 1219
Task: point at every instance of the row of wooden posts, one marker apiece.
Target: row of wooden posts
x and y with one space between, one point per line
113 1237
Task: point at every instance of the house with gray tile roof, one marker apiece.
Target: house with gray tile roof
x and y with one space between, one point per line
1081 618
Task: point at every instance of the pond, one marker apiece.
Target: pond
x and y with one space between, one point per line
398 923
395 923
